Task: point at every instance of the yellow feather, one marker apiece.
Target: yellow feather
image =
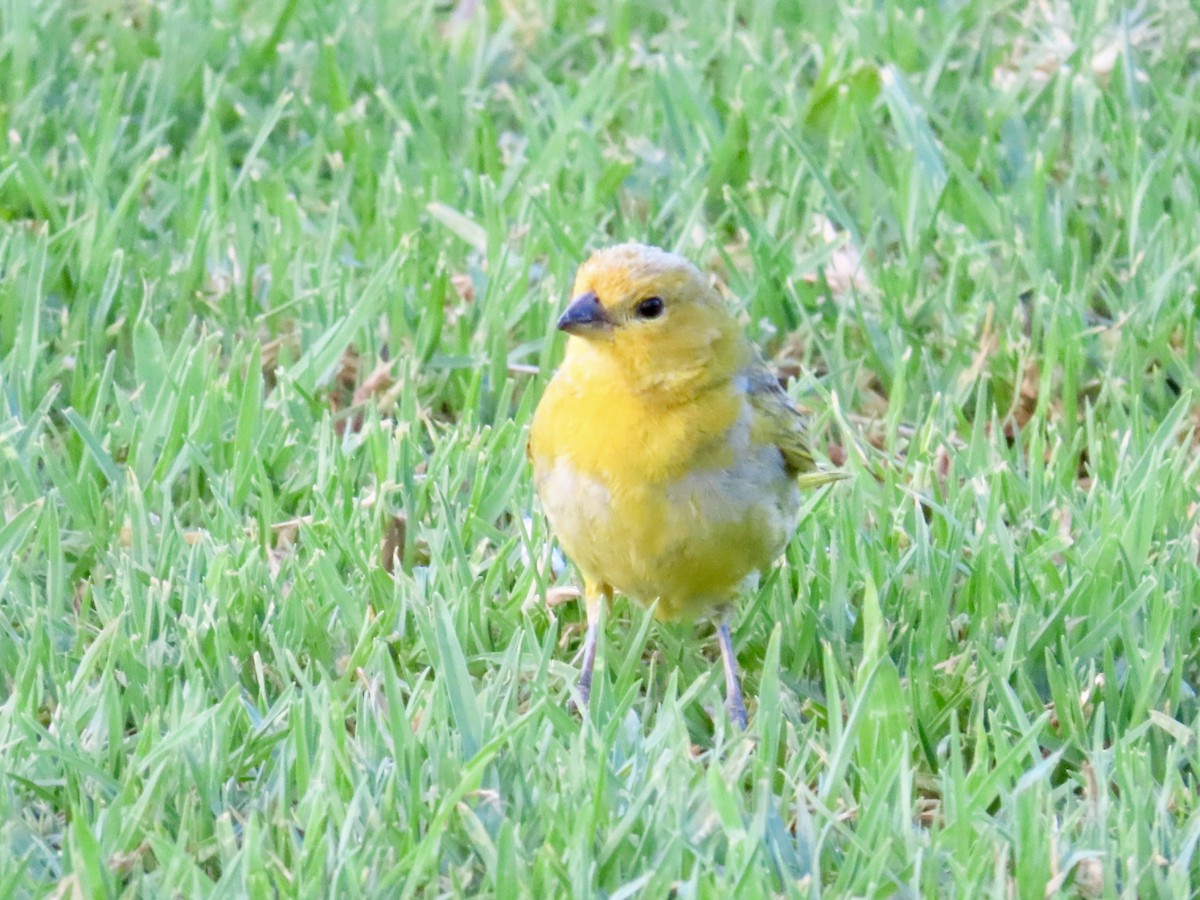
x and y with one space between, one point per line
667 458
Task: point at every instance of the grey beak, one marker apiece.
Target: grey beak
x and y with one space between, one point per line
584 314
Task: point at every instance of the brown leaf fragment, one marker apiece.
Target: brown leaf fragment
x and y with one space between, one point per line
122 863
392 545
377 382
348 368
464 287
349 397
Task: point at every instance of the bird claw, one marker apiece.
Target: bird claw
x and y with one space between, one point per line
581 698
557 596
736 710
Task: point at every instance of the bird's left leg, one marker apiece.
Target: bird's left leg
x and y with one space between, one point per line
594 594
733 688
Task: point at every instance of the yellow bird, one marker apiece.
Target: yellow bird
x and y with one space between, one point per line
667 458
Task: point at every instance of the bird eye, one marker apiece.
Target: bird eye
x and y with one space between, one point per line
650 308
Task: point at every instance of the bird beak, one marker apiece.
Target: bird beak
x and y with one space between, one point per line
584 315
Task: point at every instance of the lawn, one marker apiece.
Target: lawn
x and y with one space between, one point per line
279 282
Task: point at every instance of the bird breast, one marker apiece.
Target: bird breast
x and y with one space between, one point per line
688 541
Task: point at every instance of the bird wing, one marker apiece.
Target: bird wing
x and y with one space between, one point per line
776 421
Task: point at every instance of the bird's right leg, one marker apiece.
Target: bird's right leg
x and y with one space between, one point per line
734 704
595 593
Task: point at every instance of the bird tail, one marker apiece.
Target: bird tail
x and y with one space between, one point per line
810 480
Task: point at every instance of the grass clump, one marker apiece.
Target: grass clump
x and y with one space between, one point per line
279 284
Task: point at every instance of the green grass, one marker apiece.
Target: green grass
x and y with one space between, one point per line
975 673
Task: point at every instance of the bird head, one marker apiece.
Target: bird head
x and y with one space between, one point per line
651 318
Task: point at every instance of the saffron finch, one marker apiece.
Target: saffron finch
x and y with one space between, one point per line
667 458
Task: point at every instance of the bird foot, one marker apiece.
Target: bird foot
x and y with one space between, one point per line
736 710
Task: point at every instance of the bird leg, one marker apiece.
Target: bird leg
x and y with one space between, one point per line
733 689
594 596
589 659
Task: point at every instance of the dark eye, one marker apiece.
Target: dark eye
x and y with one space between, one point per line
650 308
